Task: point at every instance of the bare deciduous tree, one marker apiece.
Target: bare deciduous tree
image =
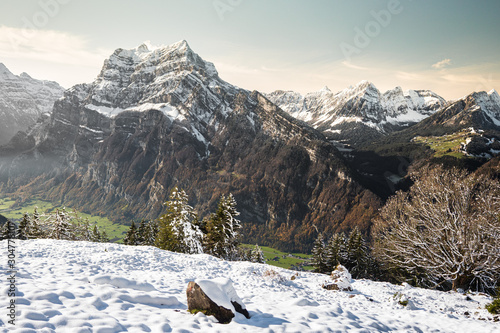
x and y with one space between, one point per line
447 226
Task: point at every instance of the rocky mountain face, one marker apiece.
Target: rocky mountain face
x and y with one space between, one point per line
361 113
22 101
480 110
161 117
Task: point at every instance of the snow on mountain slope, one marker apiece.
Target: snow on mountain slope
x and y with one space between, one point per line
140 79
22 100
490 104
65 286
362 104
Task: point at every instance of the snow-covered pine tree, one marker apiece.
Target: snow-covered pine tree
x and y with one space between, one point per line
8 230
59 225
257 255
36 230
150 233
82 231
95 235
318 255
130 237
179 231
222 238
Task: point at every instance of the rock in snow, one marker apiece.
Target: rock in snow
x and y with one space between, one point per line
341 280
56 291
215 297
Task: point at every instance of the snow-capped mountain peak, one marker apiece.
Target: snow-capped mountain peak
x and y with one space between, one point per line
5 74
362 104
22 100
325 89
157 69
489 103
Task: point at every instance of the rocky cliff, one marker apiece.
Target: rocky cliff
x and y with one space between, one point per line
22 101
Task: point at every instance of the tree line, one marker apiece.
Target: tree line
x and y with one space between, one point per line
444 232
57 225
178 230
181 230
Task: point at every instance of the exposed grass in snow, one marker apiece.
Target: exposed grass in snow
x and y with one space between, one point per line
115 232
282 259
446 145
65 286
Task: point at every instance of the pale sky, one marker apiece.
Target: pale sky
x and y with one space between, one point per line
449 46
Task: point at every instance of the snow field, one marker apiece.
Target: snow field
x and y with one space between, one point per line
66 286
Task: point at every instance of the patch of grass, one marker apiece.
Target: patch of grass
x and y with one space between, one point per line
282 259
446 145
115 232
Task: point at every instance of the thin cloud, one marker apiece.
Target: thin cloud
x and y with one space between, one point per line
442 64
49 46
348 64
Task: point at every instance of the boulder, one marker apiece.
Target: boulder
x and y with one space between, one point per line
216 298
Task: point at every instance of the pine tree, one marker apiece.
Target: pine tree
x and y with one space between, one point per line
179 231
142 233
222 237
335 252
82 231
257 255
23 231
59 226
130 237
35 227
104 237
357 254
95 235
150 232
8 230
318 255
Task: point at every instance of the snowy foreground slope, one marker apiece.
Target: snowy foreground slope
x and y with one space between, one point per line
68 286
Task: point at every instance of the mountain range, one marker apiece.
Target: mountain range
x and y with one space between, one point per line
159 117
23 100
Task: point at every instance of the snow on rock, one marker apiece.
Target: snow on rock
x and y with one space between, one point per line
23 100
363 103
220 291
489 104
56 292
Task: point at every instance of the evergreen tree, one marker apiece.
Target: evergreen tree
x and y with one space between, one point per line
130 237
35 226
95 235
151 231
335 251
222 237
23 230
104 237
59 225
142 233
357 254
318 255
82 231
8 230
179 231
257 255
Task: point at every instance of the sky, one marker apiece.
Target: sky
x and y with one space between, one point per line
451 47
